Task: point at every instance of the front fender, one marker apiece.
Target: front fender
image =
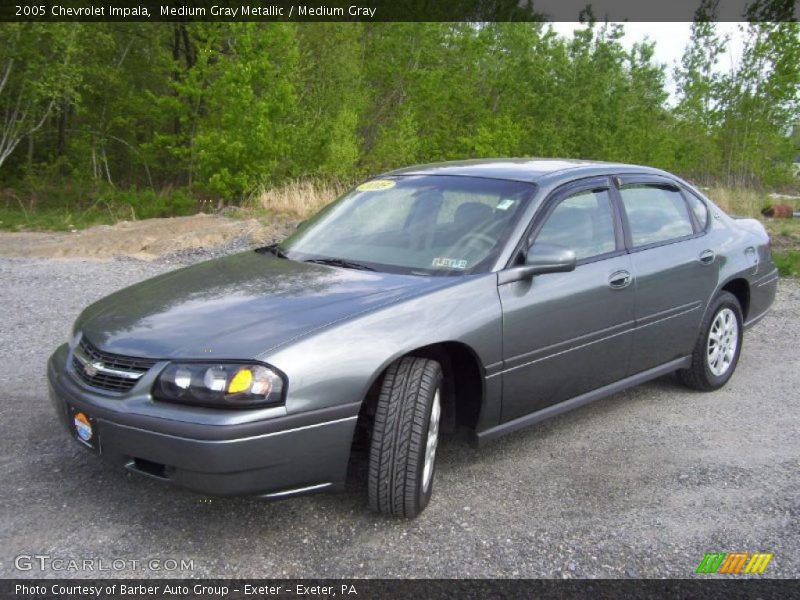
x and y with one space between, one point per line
338 364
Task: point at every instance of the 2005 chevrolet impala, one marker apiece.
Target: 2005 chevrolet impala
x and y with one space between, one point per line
479 295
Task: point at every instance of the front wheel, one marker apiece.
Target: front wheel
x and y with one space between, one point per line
405 435
718 347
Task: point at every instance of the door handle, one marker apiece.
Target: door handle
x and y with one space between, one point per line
619 280
707 257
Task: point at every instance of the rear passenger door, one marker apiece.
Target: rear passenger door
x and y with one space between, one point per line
675 269
567 333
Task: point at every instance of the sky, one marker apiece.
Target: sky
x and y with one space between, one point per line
670 40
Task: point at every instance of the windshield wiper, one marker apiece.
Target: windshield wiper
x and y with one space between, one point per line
339 262
272 249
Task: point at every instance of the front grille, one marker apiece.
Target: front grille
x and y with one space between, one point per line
106 371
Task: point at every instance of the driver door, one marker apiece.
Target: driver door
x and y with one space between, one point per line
565 334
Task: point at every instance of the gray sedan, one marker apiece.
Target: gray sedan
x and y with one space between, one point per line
479 296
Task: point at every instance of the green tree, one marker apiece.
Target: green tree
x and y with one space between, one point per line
37 68
700 88
244 80
331 99
223 108
761 99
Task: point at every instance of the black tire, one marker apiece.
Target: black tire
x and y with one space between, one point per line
699 375
399 436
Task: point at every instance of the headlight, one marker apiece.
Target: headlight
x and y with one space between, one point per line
224 385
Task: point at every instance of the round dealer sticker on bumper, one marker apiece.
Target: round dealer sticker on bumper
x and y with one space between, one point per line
83 426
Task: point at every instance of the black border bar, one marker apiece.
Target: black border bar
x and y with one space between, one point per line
392 10
710 588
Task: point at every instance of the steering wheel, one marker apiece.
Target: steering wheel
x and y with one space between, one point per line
469 241
476 236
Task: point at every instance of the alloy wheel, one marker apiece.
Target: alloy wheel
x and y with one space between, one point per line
723 339
432 442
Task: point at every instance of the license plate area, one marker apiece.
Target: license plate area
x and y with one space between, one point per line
84 428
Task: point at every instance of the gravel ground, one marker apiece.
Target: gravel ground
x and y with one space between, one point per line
641 484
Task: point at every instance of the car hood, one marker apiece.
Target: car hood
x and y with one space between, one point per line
239 306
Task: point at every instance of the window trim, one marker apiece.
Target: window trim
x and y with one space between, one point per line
553 199
624 181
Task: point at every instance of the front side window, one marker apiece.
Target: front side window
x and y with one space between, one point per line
584 223
420 224
655 214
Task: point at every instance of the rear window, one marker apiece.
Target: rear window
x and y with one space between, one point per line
655 214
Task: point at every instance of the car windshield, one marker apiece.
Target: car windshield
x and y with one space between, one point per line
432 224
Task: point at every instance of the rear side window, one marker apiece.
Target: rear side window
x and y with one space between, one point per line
655 214
699 209
583 223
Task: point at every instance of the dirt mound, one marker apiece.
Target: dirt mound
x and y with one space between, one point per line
147 239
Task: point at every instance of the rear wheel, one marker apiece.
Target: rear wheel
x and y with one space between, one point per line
405 436
716 353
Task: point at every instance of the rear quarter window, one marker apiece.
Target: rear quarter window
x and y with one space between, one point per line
699 209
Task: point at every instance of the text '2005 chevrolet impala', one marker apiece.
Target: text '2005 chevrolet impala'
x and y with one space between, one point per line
478 295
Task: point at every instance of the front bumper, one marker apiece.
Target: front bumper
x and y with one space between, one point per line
278 456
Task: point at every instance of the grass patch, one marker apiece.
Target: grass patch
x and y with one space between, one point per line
50 220
740 202
299 198
788 263
68 208
784 233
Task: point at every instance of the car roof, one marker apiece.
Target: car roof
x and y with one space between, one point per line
531 170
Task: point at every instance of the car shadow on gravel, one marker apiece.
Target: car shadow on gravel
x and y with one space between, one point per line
460 451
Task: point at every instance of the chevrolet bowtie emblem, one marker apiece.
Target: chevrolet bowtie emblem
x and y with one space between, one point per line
90 369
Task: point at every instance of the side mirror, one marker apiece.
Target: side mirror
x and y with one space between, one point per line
541 259
549 258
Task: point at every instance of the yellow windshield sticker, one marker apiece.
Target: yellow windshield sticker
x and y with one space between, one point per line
376 185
